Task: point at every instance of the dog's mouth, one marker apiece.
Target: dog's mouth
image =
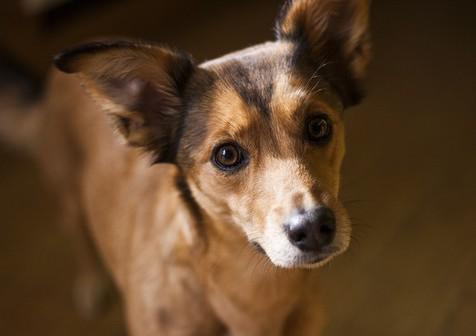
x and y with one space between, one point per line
314 260
306 260
258 248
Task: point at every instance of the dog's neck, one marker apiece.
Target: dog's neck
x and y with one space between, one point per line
233 273
242 283
222 243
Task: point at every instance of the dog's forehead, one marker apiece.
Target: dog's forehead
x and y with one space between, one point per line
262 78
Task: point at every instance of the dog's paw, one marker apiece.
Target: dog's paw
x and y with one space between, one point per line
92 295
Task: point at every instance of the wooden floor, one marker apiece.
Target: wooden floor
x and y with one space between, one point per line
409 182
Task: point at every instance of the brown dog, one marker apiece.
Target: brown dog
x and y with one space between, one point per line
224 231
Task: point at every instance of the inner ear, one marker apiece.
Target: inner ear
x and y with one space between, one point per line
331 35
147 116
141 86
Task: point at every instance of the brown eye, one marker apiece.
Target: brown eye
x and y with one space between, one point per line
229 157
319 129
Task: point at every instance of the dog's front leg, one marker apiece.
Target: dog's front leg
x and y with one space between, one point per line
307 319
167 301
243 320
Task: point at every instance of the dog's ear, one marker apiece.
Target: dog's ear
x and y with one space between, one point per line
334 35
140 85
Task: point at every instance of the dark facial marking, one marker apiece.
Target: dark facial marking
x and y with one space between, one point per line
192 129
253 82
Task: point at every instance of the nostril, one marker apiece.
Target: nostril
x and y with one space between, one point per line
311 230
299 236
300 233
296 231
326 227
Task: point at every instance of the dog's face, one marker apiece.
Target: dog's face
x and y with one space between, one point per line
262 149
258 134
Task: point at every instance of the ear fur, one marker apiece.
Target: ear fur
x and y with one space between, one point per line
140 85
333 33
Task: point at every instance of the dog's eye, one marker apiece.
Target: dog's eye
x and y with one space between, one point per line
319 129
229 157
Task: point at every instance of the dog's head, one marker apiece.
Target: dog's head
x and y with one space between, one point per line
258 134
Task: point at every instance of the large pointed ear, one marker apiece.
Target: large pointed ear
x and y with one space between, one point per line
334 35
140 85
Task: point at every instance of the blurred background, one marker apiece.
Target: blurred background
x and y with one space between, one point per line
409 175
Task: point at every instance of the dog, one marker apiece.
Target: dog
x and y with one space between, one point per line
209 190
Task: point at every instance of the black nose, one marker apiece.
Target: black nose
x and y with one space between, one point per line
312 230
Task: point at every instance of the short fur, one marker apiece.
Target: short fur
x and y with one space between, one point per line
192 249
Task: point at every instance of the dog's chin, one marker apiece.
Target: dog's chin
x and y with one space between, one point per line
305 261
313 261
300 259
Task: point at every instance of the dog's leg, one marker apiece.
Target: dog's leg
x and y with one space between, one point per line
92 288
307 323
168 302
308 319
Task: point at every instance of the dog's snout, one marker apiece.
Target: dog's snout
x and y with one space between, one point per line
310 231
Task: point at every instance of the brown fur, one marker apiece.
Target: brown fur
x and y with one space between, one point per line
179 236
